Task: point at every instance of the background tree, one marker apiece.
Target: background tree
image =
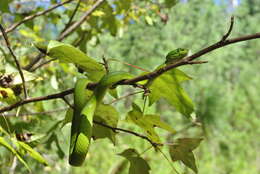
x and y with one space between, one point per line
224 90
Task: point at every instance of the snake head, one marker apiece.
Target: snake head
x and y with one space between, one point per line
176 54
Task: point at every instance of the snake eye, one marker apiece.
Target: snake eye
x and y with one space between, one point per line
180 49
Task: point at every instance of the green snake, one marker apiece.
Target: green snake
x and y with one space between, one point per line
84 110
172 57
85 106
176 55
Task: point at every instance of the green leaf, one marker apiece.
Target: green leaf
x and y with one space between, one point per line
11 149
137 164
7 95
4 128
36 139
109 19
155 120
170 3
182 151
113 92
147 123
128 153
29 24
28 77
168 86
98 13
34 154
149 20
123 6
70 54
53 138
108 115
41 46
4 7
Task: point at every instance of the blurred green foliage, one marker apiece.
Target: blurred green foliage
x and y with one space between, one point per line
225 91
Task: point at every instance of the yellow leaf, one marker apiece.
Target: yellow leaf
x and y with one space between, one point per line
98 13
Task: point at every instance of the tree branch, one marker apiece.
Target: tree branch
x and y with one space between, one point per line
72 16
150 75
15 59
42 64
125 96
36 99
67 31
190 58
134 66
115 129
33 62
67 102
14 26
73 27
196 62
36 113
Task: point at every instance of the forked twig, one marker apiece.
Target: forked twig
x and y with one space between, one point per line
31 17
229 30
15 59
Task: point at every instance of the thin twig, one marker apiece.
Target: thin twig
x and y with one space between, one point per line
67 102
15 59
33 62
145 100
184 129
229 30
105 63
136 85
42 64
72 16
176 171
36 113
193 124
6 123
81 38
73 27
137 67
3 52
115 129
125 96
14 26
145 150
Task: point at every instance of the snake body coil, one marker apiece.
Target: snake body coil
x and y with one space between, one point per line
84 110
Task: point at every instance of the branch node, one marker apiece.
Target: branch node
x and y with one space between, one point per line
67 102
105 63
